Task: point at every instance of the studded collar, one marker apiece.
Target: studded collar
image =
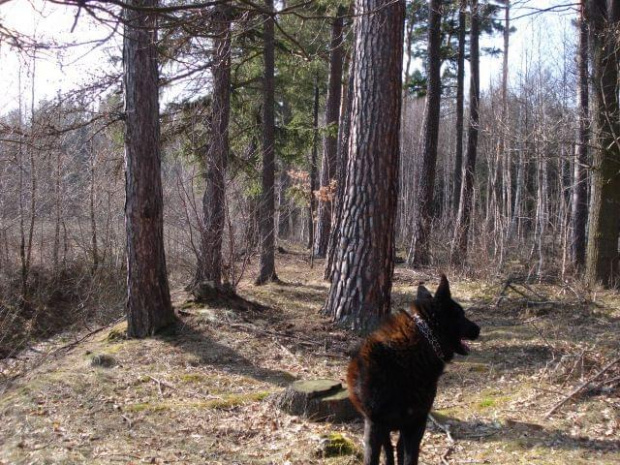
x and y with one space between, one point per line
427 332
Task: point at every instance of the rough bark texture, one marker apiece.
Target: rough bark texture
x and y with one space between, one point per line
214 199
602 251
341 163
579 216
460 97
330 141
459 246
267 267
360 289
314 172
504 149
419 252
148 303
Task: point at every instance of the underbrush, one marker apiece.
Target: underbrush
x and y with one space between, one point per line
75 297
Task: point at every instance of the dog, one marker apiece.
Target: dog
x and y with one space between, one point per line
393 376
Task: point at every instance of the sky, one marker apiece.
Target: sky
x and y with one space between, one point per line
546 35
54 71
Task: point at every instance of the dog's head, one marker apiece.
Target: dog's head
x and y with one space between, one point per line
448 318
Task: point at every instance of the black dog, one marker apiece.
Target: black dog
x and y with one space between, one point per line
393 377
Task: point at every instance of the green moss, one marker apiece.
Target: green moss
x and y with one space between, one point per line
336 445
192 378
486 403
231 401
138 407
190 304
116 335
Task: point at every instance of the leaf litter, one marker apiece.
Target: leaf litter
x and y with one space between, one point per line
206 394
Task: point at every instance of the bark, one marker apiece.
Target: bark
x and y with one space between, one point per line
93 217
148 303
580 187
284 205
506 159
330 141
313 165
209 267
342 157
460 97
459 246
267 266
602 250
360 289
419 254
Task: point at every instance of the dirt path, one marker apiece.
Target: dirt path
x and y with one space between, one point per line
204 395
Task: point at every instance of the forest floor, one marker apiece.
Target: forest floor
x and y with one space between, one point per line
206 394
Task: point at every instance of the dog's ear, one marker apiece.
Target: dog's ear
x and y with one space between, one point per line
443 291
423 293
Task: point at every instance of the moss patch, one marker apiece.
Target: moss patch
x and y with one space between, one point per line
192 378
226 402
117 333
337 445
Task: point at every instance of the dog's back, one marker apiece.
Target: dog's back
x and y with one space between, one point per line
393 377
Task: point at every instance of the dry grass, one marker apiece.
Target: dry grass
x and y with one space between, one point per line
204 394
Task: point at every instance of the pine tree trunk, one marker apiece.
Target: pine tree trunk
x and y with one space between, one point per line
419 254
341 162
602 251
209 266
313 166
148 304
267 267
459 246
93 217
330 141
460 97
580 186
360 290
506 159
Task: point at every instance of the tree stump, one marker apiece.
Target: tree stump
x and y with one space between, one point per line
318 400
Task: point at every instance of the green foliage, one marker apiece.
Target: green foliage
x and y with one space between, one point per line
417 13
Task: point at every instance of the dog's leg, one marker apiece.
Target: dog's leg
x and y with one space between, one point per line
388 449
400 449
411 438
374 436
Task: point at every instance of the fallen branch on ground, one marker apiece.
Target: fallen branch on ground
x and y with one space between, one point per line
582 386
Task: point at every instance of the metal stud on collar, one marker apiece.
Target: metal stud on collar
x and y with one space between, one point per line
427 332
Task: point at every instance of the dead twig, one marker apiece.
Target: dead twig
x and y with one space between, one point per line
71 345
444 457
445 428
573 368
159 383
582 386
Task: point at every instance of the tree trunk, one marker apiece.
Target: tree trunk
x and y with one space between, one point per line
460 97
602 251
209 267
459 246
93 214
580 186
148 304
419 252
267 267
342 157
330 141
360 290
313 166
